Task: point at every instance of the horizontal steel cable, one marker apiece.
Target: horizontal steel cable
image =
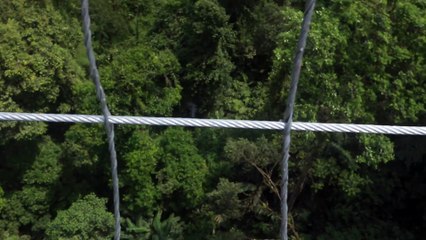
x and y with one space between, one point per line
216 123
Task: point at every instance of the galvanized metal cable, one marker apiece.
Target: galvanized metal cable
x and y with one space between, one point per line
216 123
288 115
109 126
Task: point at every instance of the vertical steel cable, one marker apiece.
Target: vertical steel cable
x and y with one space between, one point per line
105 111
288 115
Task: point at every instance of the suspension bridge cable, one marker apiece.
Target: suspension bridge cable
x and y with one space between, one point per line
215 123
106 114
288 115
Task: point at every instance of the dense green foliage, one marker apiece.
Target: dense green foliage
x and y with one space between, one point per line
364 63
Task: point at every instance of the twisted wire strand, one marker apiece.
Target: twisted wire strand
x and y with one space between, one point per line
109 126
215 123
288 114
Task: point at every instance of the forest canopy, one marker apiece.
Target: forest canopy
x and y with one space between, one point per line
364 63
